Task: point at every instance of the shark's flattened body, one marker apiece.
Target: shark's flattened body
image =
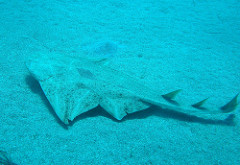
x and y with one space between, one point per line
74 85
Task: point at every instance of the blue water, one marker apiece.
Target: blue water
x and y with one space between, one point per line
192 45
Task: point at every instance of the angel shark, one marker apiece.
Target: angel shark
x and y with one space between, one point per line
74 85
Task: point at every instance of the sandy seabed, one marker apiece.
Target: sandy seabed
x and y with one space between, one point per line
191 45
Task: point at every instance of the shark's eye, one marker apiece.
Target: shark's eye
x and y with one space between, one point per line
85 73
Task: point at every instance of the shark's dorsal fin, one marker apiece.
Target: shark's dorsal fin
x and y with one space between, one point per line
199 105
231 105
171 95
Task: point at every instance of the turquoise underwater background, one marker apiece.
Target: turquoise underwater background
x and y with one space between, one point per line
192 45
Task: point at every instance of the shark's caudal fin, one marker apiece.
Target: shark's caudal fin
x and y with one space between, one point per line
227 108
167 101
231 105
